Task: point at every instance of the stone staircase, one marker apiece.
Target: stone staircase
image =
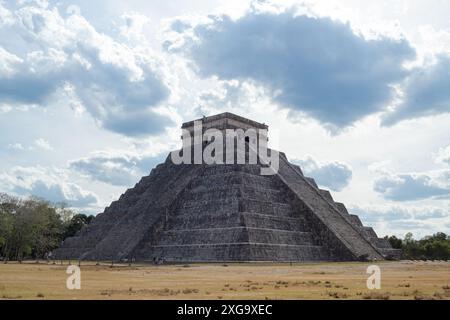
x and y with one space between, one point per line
243 216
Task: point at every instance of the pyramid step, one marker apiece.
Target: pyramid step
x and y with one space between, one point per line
227 168
237 252
234 234
275 236
235 177
382 243
266 207
204 236
296 167
312 182
355 220
204 220
234 219
370 233
341 207
326 194
391 253
196 208
254 220
232 204
203 193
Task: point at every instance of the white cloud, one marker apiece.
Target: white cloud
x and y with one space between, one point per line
116 168
399 219
425 92
50 184
8 62
134 27
6 17
333 175
313 65
16 146
43 144
119 85
443 155
37 3
231 96
5 108
414 186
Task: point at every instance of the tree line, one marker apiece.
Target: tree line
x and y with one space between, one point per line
435 247
32 228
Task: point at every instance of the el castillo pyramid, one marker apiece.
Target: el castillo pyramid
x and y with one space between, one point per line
226 212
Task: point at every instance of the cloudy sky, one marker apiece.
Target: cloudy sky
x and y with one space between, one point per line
93 93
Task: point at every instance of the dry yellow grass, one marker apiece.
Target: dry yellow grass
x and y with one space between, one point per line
400 280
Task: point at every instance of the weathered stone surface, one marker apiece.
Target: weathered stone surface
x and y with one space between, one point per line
185 213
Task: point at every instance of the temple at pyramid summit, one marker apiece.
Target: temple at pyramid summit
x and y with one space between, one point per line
226 212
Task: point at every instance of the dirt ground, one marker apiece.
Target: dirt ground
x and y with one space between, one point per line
399 280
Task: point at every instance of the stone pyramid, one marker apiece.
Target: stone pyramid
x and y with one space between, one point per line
226 212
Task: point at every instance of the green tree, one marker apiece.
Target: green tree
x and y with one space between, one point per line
75 224
411 248
23 232
6 225
395 242
28 228
435 247
48 229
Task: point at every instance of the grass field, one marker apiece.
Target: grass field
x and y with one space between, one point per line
399 280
